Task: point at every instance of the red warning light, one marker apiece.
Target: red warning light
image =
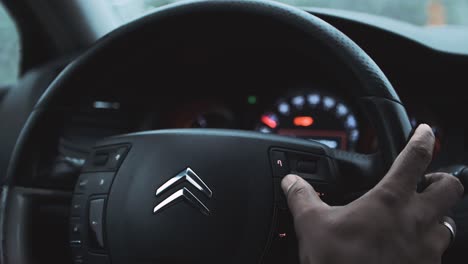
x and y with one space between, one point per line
304 121
270 122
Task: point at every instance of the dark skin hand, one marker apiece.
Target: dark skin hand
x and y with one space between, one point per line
392 223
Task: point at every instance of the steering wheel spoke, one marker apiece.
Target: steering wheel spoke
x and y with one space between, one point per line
37 216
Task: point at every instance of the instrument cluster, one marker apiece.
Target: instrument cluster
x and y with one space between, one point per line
308 114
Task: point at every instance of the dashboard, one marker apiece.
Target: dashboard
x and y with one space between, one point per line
315 113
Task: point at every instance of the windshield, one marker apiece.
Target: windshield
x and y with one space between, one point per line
417 12
9 49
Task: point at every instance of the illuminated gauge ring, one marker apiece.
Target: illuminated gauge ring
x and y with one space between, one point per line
314 116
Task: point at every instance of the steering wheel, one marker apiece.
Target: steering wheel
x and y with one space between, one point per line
204 195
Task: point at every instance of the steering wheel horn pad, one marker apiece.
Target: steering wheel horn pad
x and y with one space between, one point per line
192 196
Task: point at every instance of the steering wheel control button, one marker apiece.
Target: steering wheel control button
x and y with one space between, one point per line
96 229
96 183
284 246
75 243
106 159
97 259
117 157
279 163
78 259
309 167
100 182
82 184
324 191
75 228
75 234
100 159
77 205
78 256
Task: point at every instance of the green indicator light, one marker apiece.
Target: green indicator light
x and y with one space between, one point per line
252 99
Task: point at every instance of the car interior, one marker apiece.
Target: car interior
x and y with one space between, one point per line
164 139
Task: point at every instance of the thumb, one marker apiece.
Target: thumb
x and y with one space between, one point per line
300 195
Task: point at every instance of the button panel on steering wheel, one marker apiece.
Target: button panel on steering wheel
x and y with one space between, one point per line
315 170
87 221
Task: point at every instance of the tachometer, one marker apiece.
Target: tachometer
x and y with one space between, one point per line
314 116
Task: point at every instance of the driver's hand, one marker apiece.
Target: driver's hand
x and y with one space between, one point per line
392 223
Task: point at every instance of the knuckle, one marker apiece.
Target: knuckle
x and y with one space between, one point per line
421 149
389 197
420 222
455 184
434 177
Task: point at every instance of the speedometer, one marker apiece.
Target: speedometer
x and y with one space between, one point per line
314 116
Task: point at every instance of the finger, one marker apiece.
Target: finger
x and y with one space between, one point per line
413 161
300 194
443 192
441 235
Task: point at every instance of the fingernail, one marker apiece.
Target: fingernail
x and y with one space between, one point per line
424 126
288 181
414 129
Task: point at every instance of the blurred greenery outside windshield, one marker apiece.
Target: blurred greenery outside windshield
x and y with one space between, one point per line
417 12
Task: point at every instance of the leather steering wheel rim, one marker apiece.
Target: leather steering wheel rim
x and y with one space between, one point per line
384 107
